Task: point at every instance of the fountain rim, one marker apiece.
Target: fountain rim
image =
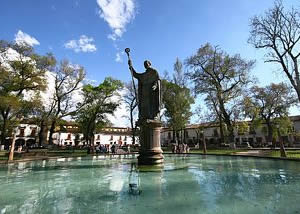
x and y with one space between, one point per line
165 153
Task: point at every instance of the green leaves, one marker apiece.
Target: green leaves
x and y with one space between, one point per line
177 101
97 103
21 80
270 105
222 79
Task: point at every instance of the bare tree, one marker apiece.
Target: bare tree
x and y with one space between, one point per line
130 101
68 79
278 32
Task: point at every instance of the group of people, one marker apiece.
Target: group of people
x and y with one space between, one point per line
180 148
102 148
111 148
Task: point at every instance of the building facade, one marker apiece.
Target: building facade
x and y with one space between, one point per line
69 135
210 132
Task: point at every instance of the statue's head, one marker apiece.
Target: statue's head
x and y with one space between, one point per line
147 64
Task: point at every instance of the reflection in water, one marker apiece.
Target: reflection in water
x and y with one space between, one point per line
187 184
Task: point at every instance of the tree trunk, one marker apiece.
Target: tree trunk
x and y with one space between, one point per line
174 136
4 127
12 148
204 144
270 134
51 131
282 149
221 131
3 132
133 136
43 133
92 144
181 132
228 122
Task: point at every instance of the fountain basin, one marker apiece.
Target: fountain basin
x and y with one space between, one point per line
184 184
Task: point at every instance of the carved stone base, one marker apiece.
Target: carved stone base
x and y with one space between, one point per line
150 150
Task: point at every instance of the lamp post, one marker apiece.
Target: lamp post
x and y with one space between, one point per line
282 150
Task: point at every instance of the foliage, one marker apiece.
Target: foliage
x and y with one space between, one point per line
177 101
269 105
22 78
98 101
242 127
222 79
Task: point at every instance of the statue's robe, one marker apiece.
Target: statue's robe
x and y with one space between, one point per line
148 99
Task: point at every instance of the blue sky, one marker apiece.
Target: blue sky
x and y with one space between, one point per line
158 30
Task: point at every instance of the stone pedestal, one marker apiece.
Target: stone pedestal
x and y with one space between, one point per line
150 151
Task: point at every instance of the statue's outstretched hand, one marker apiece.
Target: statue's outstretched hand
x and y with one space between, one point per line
154 87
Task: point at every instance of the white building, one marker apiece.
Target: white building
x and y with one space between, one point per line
211 133
68 134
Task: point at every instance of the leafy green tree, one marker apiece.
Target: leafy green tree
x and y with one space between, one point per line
278 32
179 76
22 78
221 78
98 102
177 101
269 105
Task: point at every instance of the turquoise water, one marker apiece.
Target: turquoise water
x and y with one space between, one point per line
186 184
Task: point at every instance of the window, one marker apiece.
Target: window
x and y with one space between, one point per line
33 132
22 132
169 135
216 133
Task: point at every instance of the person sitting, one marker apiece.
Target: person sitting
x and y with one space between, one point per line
97 149
113 149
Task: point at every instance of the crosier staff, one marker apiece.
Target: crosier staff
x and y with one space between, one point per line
127 50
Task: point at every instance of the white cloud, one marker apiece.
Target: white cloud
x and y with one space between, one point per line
84 44
24 38
120 116
117 13
118 58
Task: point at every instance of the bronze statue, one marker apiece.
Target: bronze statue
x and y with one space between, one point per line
149 98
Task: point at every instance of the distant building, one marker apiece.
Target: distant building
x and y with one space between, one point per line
69 134
26 134
210 132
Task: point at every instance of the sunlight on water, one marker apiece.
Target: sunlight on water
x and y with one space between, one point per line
186 184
